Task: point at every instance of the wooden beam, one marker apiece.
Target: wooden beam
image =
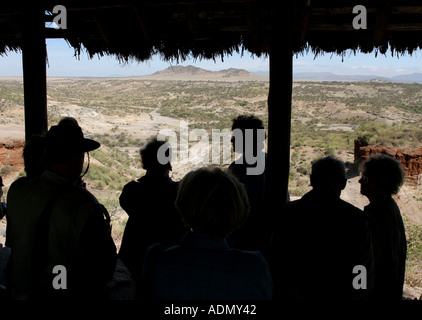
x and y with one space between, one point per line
409 26
279 110
34 72
335 11
407 10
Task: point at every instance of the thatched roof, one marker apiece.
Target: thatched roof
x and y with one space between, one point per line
176 29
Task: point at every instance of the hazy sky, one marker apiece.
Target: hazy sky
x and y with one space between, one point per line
63 63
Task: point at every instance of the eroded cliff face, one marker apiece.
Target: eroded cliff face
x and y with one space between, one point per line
411 159
11 156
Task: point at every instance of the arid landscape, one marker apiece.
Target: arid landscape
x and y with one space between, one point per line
123 113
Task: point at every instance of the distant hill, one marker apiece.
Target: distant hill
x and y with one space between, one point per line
182 70
408 78
194 73
232 72
328 76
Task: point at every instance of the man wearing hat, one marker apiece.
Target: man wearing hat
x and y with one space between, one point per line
60 236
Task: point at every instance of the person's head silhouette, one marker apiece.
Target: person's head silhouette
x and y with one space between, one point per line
248 134
212 202
65 147
381 175
329 175
155 157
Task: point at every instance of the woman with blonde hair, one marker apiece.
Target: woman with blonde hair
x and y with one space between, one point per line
212 204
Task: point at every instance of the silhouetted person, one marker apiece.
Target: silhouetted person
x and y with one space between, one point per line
34 151
68 121
202 267
34 165
320 240
3 209
248 138
72 121
55 222
33 156
382 177
34 161
149 202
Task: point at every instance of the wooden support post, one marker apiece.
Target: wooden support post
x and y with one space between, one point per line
279 112
34 73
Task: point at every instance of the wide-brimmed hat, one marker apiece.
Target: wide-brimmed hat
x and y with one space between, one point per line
68 137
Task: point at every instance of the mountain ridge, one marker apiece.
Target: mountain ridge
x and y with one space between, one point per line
191 72
329 76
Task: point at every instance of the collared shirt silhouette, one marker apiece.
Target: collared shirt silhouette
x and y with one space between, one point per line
203 267
319 241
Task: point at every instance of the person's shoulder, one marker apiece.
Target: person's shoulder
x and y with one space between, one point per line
25 186
381 208
16 185
169 250
23 182
133 184
158 252
390 202
294 203
250 260
19 181
351 209
298 204
248 257
354 218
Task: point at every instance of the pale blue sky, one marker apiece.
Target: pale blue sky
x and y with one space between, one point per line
63 63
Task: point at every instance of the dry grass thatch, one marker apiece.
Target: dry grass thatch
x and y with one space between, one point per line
210 29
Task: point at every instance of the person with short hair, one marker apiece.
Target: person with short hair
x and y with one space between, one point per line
212 204
149 202
382 176
248 138
320 240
